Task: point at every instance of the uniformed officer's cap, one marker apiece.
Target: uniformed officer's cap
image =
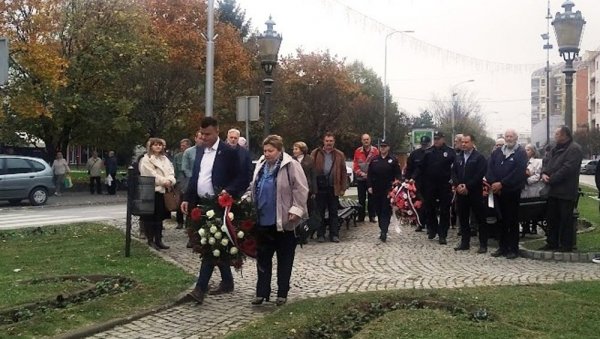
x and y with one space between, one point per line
438 134
425 140
383 142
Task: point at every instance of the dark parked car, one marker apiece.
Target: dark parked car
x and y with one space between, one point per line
25 178
588 166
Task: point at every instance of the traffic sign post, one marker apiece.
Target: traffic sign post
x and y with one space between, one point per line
3 61
247 108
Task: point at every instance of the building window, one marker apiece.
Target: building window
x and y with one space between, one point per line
543 82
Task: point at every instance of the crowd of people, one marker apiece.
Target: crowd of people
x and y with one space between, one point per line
460 185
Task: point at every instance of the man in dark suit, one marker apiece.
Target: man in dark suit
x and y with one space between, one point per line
467 178
216 170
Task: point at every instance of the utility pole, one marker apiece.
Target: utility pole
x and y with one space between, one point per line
210 59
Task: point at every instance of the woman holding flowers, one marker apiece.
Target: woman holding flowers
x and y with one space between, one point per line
280 192
156 164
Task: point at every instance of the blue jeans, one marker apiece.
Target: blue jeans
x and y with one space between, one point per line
206 271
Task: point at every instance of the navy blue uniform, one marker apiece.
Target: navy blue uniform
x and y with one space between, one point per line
436 169
382 173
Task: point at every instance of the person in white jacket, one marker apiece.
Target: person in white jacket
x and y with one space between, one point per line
534 184
156 164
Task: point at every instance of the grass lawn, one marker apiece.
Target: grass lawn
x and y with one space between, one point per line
589 210
79 249
566 310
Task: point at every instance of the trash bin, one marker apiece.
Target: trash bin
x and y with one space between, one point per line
143 196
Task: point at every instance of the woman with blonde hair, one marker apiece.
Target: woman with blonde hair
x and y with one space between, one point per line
279 191
156 164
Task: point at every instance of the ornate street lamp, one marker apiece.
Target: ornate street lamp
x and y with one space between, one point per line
268 48
568 27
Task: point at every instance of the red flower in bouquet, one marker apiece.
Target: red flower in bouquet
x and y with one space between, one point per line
247 225
418 204
248 247
225 200
196 214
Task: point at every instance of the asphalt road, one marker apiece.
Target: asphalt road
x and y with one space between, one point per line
587 179
35 217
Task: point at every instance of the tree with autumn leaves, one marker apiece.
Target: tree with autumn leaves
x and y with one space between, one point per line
111 73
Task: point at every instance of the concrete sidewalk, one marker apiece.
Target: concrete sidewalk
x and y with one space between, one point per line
70 198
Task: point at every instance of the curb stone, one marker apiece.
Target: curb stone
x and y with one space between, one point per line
582 257
97 328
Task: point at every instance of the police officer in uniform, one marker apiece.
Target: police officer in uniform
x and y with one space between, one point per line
436 169
383 171
412 163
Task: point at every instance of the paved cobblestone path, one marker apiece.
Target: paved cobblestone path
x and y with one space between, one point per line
360 262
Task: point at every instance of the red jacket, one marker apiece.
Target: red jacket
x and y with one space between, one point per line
362 160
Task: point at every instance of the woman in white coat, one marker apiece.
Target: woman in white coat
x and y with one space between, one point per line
534 183
156 164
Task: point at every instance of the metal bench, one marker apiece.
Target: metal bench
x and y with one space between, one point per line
347 211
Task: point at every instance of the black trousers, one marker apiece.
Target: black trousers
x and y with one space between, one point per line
438 196
363 194
508 227
383 211
560 223
465 204
269 242
327 200
98 185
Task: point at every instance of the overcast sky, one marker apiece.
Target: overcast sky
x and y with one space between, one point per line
495 43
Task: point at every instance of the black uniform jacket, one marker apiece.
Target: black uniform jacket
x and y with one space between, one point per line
382 173
471 172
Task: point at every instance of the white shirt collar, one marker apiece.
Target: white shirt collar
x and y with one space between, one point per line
214 147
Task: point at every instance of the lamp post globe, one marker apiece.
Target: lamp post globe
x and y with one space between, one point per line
268 49
568 27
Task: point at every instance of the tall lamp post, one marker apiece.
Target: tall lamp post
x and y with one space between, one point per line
547 46
268 48
568 27
454 104
385 77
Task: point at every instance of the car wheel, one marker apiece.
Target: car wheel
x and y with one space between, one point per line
38 196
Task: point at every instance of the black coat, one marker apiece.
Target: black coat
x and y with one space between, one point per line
564 163
413 162
509 171
227 173
470 173
436 167
382 173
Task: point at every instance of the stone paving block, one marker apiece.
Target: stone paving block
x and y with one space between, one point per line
358 263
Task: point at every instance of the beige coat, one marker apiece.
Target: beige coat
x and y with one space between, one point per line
158 167
292 191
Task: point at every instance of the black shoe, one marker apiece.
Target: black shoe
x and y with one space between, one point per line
321 239
280 301
335 239
430 236
259 300
372 220
222 289
547 248
179 226
565 250
360 219
189 244
498 253
161 245
153 245
383 237
443 241
197 295
511 255
461 248
482 250
419 229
